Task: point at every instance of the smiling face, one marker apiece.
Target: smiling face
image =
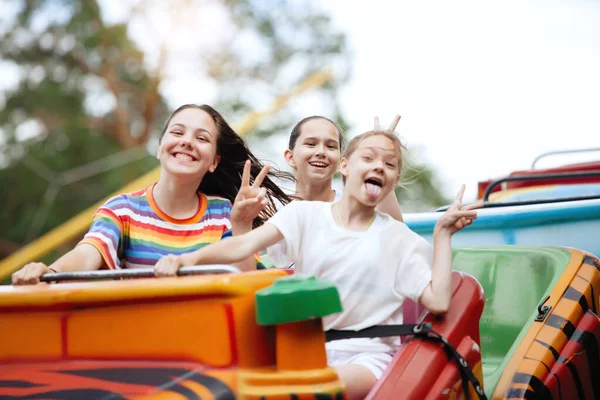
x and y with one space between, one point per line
188 148
316 153
372 169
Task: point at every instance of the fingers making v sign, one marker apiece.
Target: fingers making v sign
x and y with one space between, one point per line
457 216
251 199
391 128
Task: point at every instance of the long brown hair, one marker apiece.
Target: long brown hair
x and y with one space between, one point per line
226 180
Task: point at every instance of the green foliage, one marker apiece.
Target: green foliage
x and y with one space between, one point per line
297 39
420 188
53 119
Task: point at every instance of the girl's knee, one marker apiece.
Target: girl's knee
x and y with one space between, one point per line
357 379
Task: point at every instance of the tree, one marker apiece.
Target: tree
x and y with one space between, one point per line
81 94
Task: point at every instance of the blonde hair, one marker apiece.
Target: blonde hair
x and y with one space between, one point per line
357 140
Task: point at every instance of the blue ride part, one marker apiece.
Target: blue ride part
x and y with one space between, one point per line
568 224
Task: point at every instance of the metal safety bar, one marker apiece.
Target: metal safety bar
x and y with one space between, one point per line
552 153
135 273
539 177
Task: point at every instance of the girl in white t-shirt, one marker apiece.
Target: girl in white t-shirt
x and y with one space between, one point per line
375 261
314 153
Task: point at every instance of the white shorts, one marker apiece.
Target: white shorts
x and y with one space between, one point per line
375 362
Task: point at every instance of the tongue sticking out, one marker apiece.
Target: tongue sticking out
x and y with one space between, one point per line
373 191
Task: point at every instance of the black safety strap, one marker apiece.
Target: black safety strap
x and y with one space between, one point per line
420 331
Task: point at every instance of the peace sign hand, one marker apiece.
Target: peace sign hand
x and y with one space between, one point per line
457 216
391 128
251 199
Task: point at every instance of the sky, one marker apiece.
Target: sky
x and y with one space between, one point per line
483 87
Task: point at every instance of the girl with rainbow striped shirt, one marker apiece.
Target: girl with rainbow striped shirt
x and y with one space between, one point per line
205 168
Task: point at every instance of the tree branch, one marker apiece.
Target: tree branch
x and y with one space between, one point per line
121 131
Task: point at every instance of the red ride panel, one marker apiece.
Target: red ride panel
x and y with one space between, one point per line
590 166
418 364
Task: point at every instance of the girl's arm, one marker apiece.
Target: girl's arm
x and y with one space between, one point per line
390 205
84 257
436 296
237 230
229 251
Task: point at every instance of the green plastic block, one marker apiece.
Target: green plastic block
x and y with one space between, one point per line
295 299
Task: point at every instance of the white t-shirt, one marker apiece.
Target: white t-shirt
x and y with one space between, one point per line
374 270
278 253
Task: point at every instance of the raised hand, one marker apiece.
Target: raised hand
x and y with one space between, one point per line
391 128
457 216
30 274
251 199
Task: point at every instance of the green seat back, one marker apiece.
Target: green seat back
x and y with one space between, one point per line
515 280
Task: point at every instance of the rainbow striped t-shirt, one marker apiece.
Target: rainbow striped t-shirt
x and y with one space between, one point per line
130 231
